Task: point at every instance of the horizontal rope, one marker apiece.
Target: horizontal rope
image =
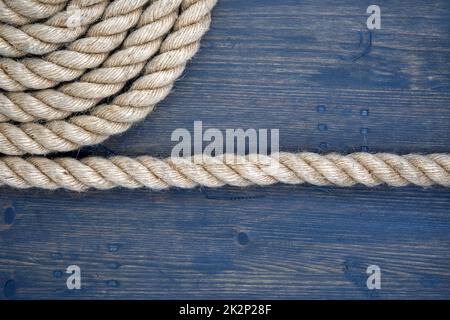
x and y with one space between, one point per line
229 169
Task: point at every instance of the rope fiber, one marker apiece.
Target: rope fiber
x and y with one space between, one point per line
229 169
61 60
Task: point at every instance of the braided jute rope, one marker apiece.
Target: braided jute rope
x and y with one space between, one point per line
55 79
229 169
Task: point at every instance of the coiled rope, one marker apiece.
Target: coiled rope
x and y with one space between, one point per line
149 50
55 78
21 12
41 38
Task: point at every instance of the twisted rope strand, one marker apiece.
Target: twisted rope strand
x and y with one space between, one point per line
229 169
123 65
66 65
41 38
21 12
103 72
127 108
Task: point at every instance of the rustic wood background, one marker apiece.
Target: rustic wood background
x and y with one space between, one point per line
312 69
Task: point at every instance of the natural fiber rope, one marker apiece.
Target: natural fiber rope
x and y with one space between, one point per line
99 83
41 38
92 50
53 102
21 12
105 120
328 170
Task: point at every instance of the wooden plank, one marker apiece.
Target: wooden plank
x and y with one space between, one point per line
311 69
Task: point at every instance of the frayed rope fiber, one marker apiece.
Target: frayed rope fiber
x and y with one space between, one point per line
60 60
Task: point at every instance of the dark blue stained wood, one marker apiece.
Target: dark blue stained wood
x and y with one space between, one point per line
312 69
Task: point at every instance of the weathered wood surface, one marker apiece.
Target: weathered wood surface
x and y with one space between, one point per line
312 69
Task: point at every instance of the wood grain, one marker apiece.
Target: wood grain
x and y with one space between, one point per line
313 70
